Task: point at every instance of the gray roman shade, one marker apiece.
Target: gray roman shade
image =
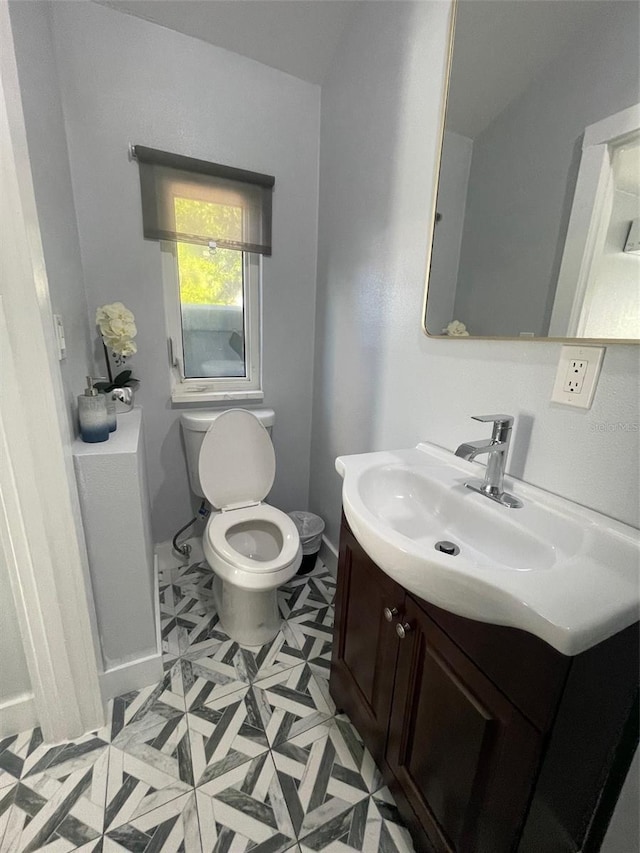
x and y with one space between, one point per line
193 201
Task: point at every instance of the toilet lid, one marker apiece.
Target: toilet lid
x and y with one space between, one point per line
237 463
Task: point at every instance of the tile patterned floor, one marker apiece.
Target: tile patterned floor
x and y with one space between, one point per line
234 750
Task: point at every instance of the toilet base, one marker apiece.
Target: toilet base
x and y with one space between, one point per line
250 617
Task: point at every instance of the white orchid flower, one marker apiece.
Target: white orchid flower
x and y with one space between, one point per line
117 327
114 311
456 329
126 349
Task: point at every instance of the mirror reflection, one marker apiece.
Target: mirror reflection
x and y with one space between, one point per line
537 230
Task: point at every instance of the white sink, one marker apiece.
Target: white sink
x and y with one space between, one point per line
553 568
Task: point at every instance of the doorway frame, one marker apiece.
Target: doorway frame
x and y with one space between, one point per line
586 232
41 531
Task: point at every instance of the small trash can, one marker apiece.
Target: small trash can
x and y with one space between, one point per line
310 528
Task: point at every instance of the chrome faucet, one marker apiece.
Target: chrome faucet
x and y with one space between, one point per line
497 448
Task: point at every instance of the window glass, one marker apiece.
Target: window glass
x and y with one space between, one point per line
212 298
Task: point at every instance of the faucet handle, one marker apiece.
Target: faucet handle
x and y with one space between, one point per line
501 426
499 420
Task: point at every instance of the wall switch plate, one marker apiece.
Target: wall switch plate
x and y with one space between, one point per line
577 376
59 330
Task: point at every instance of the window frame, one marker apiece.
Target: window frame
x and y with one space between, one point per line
214 389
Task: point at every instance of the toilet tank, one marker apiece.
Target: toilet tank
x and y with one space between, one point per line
194 426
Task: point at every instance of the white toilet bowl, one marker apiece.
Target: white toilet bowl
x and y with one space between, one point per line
252 548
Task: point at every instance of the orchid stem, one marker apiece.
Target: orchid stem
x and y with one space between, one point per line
106 358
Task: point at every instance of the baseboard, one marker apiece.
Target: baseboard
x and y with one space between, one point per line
156 599
131 676
17 714
329 556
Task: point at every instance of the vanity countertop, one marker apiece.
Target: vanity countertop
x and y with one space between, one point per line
560 571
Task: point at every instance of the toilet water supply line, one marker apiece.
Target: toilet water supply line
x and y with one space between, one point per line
184 550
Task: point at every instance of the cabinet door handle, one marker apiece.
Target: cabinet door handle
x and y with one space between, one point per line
402 629
390 613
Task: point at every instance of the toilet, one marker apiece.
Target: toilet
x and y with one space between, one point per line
252 547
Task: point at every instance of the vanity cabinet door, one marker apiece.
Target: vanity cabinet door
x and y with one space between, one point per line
463 756
365 644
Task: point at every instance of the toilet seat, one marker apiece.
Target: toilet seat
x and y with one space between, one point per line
237 463
236 467
220 524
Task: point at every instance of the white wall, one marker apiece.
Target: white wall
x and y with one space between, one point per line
124 80
379 382
523 172
613 299
31 27
455 165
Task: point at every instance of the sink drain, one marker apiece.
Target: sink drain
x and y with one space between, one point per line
447 548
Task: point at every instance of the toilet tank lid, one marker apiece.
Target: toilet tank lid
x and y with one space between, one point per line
199 420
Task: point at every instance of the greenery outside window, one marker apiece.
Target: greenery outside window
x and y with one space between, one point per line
212 304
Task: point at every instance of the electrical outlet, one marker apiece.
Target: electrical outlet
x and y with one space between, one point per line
574 379
577 376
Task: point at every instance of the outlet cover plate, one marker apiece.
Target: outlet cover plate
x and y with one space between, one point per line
60 341
593 357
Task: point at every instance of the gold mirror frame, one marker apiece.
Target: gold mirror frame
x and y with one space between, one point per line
441 129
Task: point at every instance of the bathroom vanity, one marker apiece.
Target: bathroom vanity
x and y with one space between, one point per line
489 738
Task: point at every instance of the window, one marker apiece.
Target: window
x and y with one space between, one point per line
212 303
213 223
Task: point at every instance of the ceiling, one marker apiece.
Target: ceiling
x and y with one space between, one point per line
299 37
500 45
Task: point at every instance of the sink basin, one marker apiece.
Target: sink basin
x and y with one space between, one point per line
553 568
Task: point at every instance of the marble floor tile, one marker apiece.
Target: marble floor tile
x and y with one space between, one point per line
170 828
147 768
370 826
166 596
14 751
184 630
212 672
308 592
7 796
277 656
235 749
218 668
291 702
244 809
95 846
324 772
195 602
64 758
187 586
225 733
59 809
313 632
130 716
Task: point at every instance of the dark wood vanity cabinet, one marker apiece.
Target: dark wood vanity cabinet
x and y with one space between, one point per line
479 729
365 651
458 749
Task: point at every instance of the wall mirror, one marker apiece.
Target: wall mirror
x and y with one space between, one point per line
537 224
